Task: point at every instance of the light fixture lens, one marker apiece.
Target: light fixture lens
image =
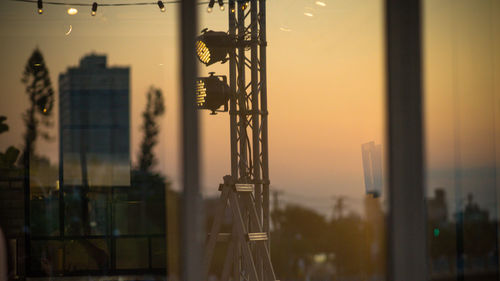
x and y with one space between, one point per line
209 9
40 11
72 11
202 51
222 8
201 93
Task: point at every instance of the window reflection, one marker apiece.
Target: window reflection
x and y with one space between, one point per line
93 214
461 96
95 146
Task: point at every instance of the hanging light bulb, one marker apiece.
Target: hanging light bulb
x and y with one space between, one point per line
244 6
40 7
94 9
221 4
72 11
161 6
210 6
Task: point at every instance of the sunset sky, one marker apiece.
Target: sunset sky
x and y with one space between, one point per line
326 78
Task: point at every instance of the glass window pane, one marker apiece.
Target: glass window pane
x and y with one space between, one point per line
83 255
132 253
158 252
84 168
48 257
461 93
304 126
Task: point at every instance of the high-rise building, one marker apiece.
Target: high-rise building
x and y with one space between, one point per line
94 124
437 209
103 200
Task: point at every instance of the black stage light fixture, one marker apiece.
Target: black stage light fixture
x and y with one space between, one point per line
212 92
213 46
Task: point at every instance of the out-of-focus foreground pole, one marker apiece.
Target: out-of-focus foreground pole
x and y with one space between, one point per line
191 222
406 230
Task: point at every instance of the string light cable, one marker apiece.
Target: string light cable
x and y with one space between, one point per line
161 4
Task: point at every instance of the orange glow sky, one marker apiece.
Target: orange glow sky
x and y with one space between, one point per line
325 83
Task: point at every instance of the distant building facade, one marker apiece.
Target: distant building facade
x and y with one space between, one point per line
437 209
94 123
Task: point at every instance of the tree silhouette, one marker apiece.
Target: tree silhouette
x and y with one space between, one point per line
9 157
298 235
154 109
3 127
152 185
38 87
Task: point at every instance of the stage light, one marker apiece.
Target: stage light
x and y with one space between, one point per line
161 6
40 6
210 6
212 92
94 9
213 46
221 4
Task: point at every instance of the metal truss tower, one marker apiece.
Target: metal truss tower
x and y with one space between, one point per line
248 109
246 191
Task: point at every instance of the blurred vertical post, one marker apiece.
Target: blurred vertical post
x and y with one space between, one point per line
191 222
407 220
